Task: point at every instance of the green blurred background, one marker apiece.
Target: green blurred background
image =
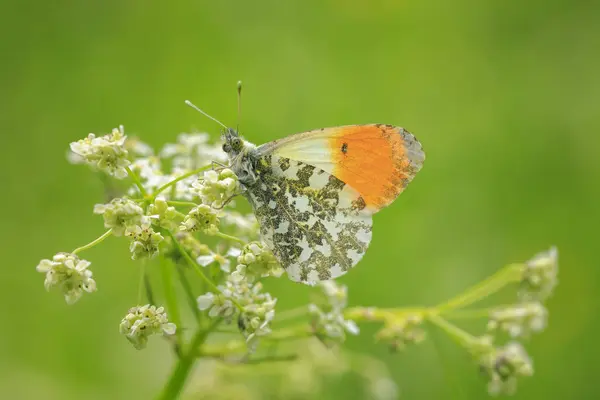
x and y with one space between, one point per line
504 96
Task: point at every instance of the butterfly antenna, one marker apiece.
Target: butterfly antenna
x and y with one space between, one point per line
239 104
189 103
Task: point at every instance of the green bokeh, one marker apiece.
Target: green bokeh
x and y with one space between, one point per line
504 96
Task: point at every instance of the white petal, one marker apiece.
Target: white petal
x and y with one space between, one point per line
205 301
205 260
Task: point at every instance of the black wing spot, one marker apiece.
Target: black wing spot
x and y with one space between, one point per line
345 148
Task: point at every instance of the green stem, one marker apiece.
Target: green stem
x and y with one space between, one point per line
188 292
291 314
148 286
257 360
170 296
141 282
137 181
93 243
229 237
509 274
184 365
179 178
470 314
197 268
463 338
182 203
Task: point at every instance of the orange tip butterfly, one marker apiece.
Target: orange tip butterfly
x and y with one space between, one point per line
314 193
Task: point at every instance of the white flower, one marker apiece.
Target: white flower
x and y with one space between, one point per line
223 260
331 325
137 147
120 214
144 241
70 274
217 188
540 276
144 321
192 151
520 319
402 331
163 215
337 295
256 261
201 218
219 305
255 320
106 153
504 366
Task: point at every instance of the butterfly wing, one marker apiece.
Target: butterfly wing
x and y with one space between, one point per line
315 224
376 160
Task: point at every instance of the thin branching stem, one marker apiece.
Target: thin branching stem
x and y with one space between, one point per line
137 181
93 243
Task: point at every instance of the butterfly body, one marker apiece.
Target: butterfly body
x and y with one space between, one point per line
314 193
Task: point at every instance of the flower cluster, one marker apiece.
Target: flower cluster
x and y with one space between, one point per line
106 153
257 308
201 218
144 241
192 150
70 274
328 321
256 261
519 320
162 214
216 189
402 330
502 365
120 214
540 276
143 321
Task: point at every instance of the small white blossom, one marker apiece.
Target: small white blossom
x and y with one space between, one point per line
138 148
201 218
217 188
120 214
149 170
70 274
163 215
503 366
257 307
337 295
144 241
143 321
255 320
520 319
328 320
256 261
219 305
331 325
106 153
540 276
192 151
402 331
222 259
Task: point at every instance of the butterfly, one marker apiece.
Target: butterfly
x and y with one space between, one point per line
314 193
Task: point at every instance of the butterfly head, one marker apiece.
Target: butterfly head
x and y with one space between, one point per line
233 144
241 155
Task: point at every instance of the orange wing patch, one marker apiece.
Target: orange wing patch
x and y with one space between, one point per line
378 161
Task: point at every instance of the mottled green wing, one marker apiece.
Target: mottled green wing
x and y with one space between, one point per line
314 223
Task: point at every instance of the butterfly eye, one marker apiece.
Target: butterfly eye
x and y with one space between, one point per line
236 144
226 148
